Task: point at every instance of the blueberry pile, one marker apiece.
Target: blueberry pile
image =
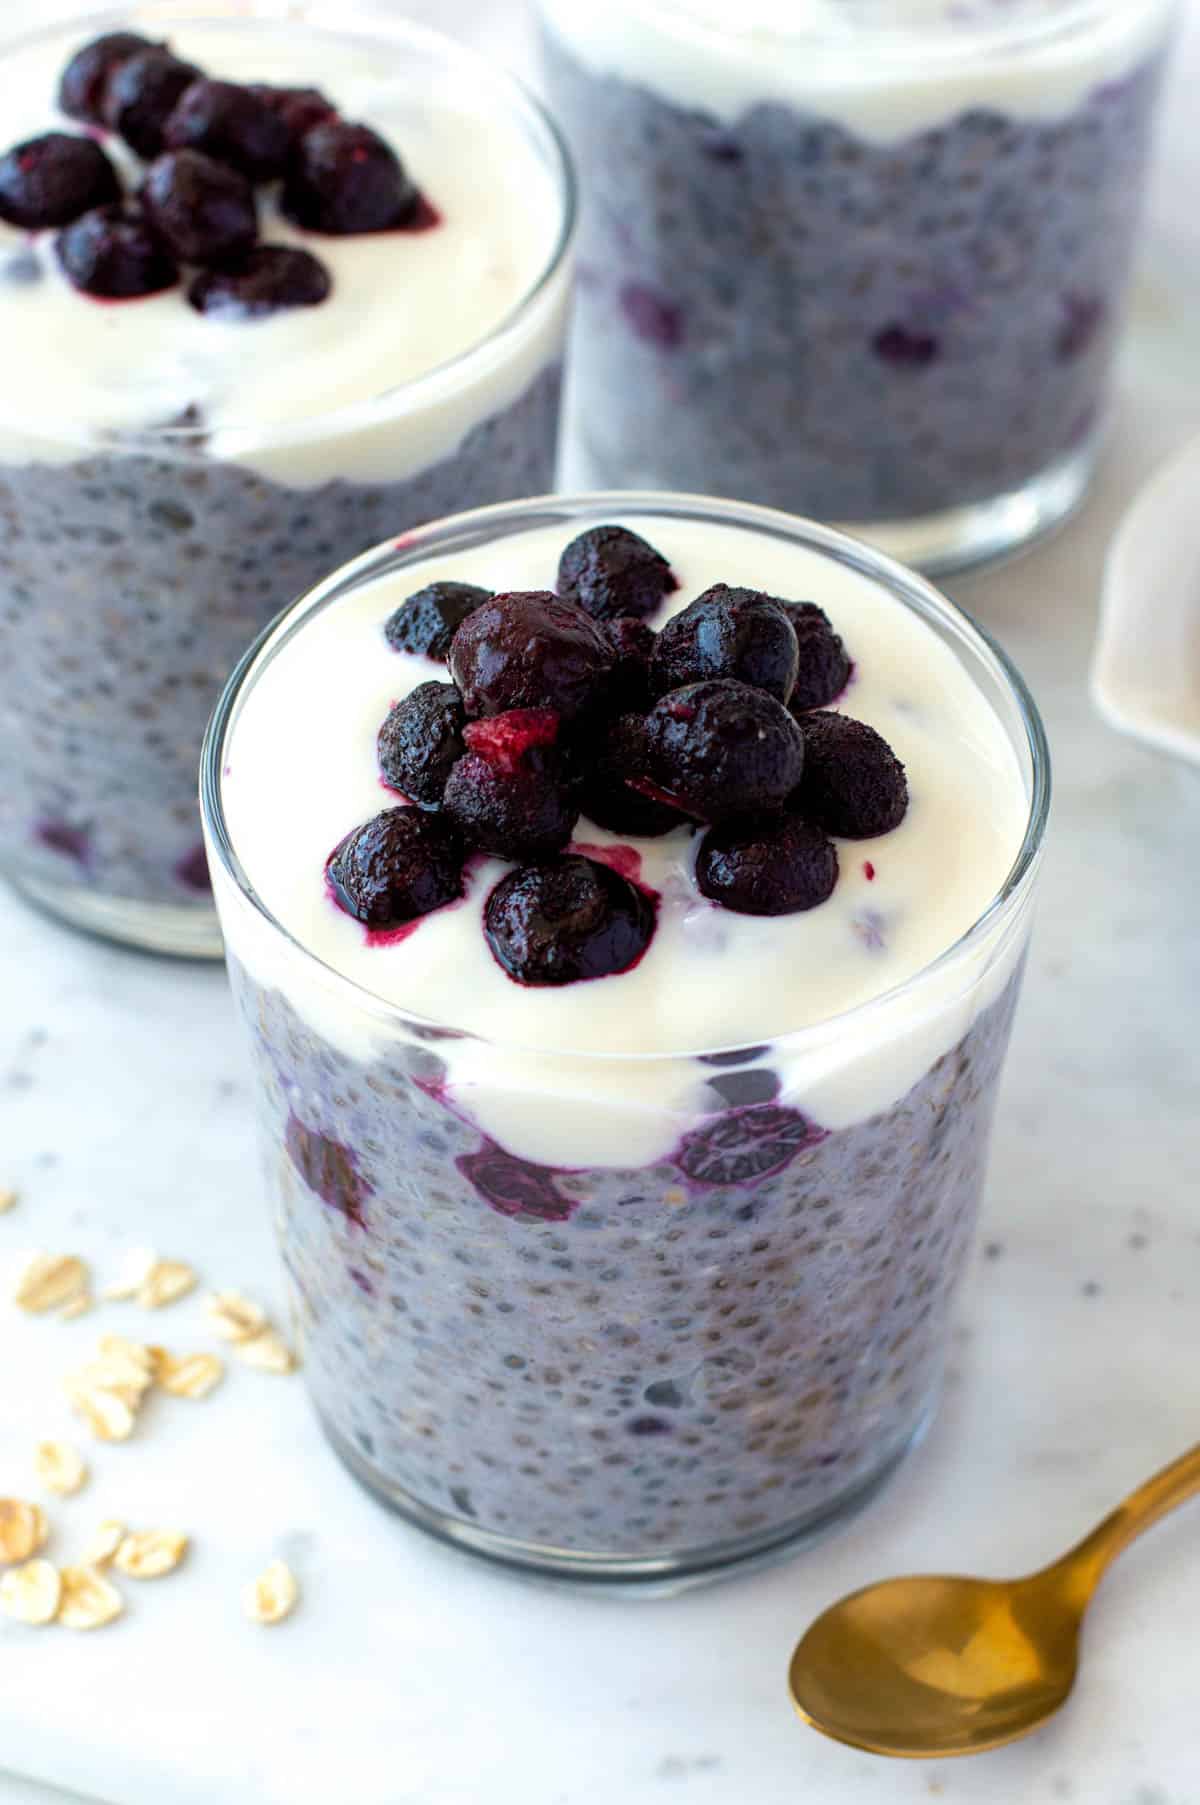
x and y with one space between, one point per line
206 145
568 703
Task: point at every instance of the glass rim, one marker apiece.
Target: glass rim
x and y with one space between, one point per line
347 24
458 532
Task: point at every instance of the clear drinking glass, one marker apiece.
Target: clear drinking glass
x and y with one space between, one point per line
137 561
620 1371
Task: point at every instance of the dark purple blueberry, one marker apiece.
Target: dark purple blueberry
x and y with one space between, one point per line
421 742
203 211
565 920
328 1168
51 180
397 866
738 633
427 621
232 125
652 316
741 1090
345 178
853 784
514 1186
140 96
509 795
632 642
779 866
193 871
717 750
114 252
746 1145
905 348
824 667
531 650
610 571
85 78
262 281
299 108
608 800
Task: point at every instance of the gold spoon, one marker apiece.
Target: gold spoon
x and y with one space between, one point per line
938 1665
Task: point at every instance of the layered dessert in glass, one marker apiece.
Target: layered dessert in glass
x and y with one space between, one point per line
866 259
268 290
626 899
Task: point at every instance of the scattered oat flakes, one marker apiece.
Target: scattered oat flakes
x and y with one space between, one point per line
60 1467
273 1595
138 1264
120 1347
115 1374
108 1416
23 1529
190 1376
7 1201
89 1601
105 1541
235 1318
49 1281
164 1283
267 1351
149 1553
31 1593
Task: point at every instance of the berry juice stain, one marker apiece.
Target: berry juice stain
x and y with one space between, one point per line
869 871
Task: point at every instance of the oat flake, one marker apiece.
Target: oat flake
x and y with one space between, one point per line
89 1601
31 1593
104 1542
60 1467
23 1529
273 1595
267 1351
50 1280
190 1376
235 1318
150 1553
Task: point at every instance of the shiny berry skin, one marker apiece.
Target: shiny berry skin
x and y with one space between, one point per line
141 94
264 280
824 666
738 633
632 642
566 920
51 180
610 802
84 80
720 749
529 649
299 108
115 253
421 742
853 784
203 211
345 179
396 867
509 795
610 571
427 621
778 866
231 124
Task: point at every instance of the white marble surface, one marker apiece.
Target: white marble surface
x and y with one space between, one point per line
409 1676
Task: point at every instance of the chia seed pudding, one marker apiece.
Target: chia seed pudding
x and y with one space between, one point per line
624 1179
870 265
173 474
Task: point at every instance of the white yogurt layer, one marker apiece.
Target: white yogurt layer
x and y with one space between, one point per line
881 68
301 772
404 305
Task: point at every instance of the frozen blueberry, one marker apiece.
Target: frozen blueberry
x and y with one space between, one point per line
565 920
261 281
140 96
345 178
773 867
427 621
746 1145
632 642
610 571
399 865
421 741
232 124
114 252
531 650
509 795
299 108
824 664
607 799
203 211
717 750
853 783
905 348
51 180
329 1168
738 633
86 76
514 1186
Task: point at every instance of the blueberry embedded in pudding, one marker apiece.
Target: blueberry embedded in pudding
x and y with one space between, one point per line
396 867
608 799
509 795
531 650
232 124
261 281
778 866
565 920
344 178
737 633
140 96
84 80
203 211
720 749
427 621
610 571
421 742
632 641
115 253
52 179
299 108
824 666
747 1145
853 784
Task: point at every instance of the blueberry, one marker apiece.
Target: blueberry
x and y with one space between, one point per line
746 1145
531 650
233 125
114 252
607 799
51 180
740 1090
427 621
652 316
328 1168
399 865
775 867
905 348
203 211
853 784
299 108
632 643
345 178
85 78
610 571
738 633
261 281
824 664
421 742
565 920
515 1187
718 749
509 795
140 96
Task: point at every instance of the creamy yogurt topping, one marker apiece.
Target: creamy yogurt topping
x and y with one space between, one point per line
301 772
404 304
881 68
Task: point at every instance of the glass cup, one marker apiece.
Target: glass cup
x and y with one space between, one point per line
868 271
140 554
637 1365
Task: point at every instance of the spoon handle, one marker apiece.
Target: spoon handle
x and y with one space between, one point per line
1174 1485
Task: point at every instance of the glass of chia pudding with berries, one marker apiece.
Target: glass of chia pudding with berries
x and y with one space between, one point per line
864 259
269 289
627 957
